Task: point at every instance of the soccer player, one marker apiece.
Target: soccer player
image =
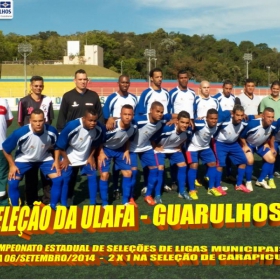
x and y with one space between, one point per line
140 145
111 112
76 144
181 99
258 137
35 100
199 148
153 93
34 142
226 145
248 100
225 98
168 145
204 101
73 106
6 119
116 147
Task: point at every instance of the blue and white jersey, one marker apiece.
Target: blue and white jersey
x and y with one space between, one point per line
140 142
116 138
150 95
182 100
229 132
226 102
115 102
277 130
32 147
203 133
171 140
78 141
255 134
202 105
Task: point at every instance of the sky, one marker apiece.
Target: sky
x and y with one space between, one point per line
257 21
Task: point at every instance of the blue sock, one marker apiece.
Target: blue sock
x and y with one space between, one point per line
249 172
212 176
103 186
115 178
14 192
56 191
159 182
271 171
240 175
218 178
126 188
152 179
133 182
265 170
191 178
181 178
92 187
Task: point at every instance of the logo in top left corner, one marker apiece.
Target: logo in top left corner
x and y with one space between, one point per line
6 9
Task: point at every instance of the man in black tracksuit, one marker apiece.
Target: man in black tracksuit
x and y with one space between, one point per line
73 106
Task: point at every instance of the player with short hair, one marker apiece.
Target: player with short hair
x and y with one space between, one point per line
258 137
140 145
116 147
153 93
76 144
225 145
199 148
35 100
168 145
34 142
111 111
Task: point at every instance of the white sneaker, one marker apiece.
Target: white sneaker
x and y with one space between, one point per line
167 188
143 191
249 186
70 201
263 184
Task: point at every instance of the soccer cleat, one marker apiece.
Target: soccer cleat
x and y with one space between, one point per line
197 183
184 195
231 178
214 192
149 200
117 194
193 195
206 178
220 189
144 190
277 174
263 184
242 188
249 186
158 199
167 188
225 188
174 187
271 183
132 202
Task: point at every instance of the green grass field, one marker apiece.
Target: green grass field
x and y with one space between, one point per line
150 235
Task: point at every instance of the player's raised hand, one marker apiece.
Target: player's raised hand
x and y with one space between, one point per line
101 159
12 172
56 165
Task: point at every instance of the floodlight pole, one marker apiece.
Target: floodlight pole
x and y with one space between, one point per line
150 53
247 57
25 49
268 75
